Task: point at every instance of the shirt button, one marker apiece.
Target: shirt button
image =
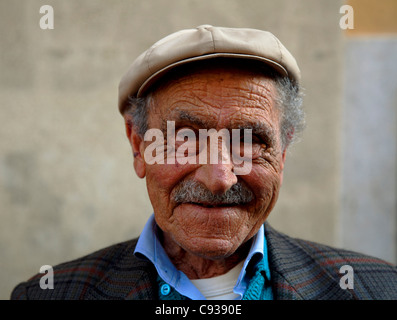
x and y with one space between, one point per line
165 289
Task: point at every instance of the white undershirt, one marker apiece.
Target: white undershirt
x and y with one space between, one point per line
220 287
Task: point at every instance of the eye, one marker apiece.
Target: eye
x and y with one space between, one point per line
246 146
251 149
186 143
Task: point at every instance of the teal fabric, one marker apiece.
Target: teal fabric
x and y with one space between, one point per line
259 287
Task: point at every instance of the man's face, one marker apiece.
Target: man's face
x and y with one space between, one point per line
216 98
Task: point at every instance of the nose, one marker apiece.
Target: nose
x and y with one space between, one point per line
218 178
216 170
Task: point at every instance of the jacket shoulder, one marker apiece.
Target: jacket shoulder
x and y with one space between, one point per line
307 270
75 279
371 277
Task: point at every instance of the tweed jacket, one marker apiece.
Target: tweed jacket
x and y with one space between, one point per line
300 270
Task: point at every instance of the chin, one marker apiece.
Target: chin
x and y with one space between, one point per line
211 248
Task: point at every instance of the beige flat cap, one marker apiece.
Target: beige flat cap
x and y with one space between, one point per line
204 42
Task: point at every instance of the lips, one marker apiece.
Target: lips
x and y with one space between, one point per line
209 205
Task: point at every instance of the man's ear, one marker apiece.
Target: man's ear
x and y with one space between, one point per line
137 145
282 165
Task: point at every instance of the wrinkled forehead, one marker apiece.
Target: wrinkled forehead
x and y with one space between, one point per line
217 95
227 66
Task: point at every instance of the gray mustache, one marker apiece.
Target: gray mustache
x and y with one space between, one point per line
193 191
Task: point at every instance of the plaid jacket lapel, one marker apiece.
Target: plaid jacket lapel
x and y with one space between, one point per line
129 278
295 273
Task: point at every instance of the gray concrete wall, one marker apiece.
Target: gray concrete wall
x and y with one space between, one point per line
369 158
67 185
368 211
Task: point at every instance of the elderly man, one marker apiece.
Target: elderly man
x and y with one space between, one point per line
237 90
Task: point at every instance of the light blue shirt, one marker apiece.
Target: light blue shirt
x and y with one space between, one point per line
150 246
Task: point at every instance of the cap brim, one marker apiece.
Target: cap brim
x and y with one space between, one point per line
160 73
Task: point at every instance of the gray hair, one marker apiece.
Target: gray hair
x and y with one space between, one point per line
289 101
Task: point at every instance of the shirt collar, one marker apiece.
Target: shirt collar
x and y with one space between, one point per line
149 245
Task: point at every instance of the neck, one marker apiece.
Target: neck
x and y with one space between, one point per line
197 267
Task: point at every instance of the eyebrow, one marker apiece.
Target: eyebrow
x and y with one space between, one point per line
183 115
